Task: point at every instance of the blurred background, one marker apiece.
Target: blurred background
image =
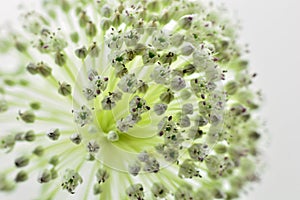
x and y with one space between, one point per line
272 29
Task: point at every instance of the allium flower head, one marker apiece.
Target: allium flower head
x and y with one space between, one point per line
132 99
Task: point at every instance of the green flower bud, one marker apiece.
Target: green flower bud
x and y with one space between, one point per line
35 105
94 50
91 29
64 89
105 24
212 163
220 148
83 19
76 138
186 22
53 134
9 82
135 191
44 176
6 185
22 161
3 106
38 151
167 96
54 160
189 69
54 174
19 136
27 116
74 37
65 5
43 69
184 192
97 189
112 136
21 176
153 6
159 190
231 87
81 52
60 59
29 136
71 180
20 46
102 175
23 82
32 68
134 168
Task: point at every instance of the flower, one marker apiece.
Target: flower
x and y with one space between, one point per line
128 100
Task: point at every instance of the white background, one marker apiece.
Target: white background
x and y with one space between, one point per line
272 28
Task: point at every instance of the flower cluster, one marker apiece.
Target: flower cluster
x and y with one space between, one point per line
128 99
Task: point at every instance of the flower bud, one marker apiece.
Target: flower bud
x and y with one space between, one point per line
186 22
32 68
53 134
35 105
21 176
27 116
189 69
102 175
91 29
231 87
97 189
105 24
22 161
94 50
112 136
177 83
160 108
76 138
60 59
220 148
29 136
71 180
187 49
134 168
185 191
74 37
81 52
167 96
106 11
54 160
64 89
44 69
44 176
188 169
93 147
39 151
159 190
3 106
135 191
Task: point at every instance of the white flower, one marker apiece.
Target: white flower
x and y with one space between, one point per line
127 100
